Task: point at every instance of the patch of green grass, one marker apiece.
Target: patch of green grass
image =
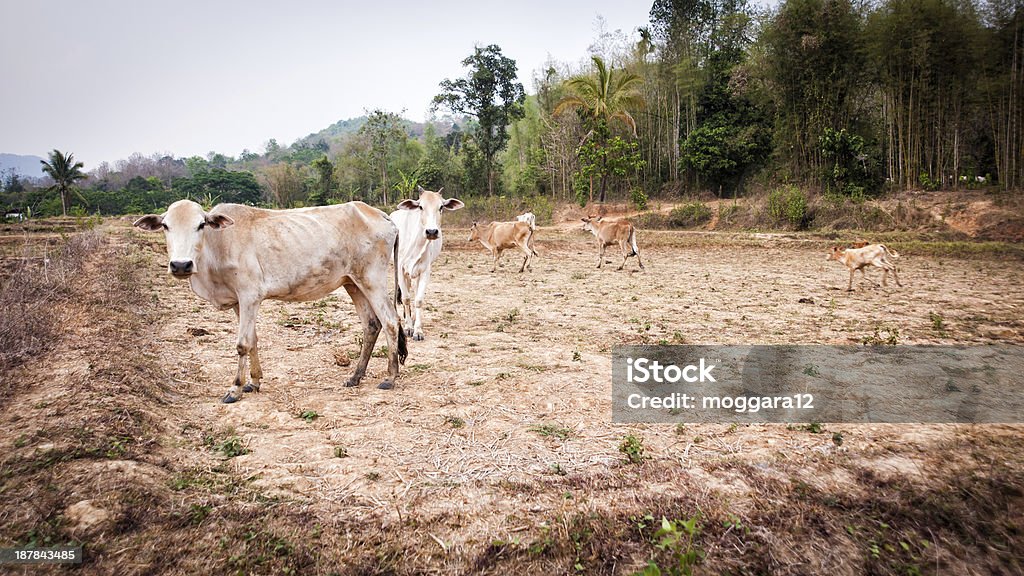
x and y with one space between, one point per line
553 431
309 415
340 452
454 421
937 323
231 447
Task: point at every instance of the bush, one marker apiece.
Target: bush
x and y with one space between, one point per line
788 204
690 215
639 198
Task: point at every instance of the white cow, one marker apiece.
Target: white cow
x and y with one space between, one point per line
237 256
419 233
529 218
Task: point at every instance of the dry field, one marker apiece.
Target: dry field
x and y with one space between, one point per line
496 453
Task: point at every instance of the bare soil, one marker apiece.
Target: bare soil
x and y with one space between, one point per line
459 469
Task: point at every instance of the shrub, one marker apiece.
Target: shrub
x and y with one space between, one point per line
689 215
788 204
639 198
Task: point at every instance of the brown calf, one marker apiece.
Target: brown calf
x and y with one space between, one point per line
499 236
873 254
610 232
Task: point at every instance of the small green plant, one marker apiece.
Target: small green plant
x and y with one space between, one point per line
232 446
552 430
576 356
837 438
512 315
308 415
633 448
454 421
676 537
198 512
937 323
340 452
811 370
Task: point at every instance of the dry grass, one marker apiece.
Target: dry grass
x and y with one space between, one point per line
120 411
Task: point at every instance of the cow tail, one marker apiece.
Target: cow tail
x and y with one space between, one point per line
398 287
529 242
403 349
890 252
632 242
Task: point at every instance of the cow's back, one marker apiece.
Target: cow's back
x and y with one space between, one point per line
298 254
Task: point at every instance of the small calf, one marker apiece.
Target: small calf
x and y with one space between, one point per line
874 255
500 236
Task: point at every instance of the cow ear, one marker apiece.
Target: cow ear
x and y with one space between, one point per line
150 222
218 221
453 204
408 205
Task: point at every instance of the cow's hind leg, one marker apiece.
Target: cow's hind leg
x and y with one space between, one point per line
626 253
377 298
371 328
247 312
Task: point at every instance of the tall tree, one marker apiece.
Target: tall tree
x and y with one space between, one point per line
65 172
383 130
491 94
601 98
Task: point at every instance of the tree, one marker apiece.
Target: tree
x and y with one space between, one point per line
383 130
325 178
65 172
601 98
491 94
285 184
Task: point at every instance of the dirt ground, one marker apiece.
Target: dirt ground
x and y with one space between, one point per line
495 452
506 353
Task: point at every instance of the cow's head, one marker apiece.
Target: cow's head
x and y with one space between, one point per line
430 205
836 253
184 225
474 232
588 223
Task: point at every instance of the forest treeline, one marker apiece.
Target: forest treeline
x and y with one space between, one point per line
849 99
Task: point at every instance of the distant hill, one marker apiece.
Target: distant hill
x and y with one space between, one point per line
25 166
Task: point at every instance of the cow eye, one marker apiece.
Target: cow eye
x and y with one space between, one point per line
164 225
202 225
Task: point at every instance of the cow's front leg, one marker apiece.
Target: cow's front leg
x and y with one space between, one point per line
849 285
247 312
371 328
600 257
421 292
408 292
255 371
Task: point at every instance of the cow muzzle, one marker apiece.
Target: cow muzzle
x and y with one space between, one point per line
432 233
181 268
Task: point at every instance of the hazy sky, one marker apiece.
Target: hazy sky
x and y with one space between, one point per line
104 79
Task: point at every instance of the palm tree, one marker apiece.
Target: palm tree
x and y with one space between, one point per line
601 99
605 97
64 172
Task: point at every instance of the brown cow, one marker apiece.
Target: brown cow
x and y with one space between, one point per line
499 236
610 232
871 255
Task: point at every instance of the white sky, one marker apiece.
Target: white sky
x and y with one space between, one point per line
104 79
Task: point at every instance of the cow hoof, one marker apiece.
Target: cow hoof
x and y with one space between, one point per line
230 398
408 331
418 337
386 385
250 388
353 381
